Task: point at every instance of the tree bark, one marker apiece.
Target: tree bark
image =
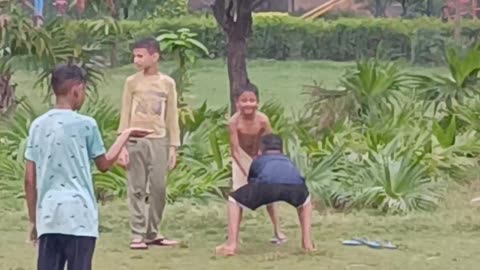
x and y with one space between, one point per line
430 8
237 66
379 10
458 21
7 94
236 21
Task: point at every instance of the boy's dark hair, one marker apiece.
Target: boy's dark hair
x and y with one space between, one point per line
150 44
65 76
271 142
249 87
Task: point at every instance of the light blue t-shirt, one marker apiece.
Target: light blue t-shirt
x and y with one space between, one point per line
63 143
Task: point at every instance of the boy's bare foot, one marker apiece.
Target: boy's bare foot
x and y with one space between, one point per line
309 248
225 250
281 235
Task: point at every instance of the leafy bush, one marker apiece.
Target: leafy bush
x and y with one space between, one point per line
397 155
421 40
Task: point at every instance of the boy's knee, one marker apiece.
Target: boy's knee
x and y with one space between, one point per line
234 202
308 202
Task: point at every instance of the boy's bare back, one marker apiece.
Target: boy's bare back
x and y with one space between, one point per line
249 131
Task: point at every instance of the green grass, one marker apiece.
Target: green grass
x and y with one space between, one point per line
281 81
442 240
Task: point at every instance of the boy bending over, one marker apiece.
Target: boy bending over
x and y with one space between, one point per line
272 177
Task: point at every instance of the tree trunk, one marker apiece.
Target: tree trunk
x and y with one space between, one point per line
430 7
404 8
380 8
236 22
7 94
114 55
458 21
237 66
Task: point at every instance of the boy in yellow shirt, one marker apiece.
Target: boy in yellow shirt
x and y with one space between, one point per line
149 101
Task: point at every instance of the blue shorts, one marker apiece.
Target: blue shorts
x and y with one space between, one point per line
255 195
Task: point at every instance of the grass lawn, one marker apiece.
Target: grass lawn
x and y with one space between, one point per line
443 240
281 81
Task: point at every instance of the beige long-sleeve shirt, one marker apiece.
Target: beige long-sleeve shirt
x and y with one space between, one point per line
150 102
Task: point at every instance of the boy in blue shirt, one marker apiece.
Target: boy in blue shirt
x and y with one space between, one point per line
59 189
272 177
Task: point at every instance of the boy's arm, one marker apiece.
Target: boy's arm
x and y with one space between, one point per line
171 118
31 190
253 171
267 127
235 145
126 107
30 180
105 161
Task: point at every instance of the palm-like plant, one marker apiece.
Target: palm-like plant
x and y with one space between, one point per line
14 130
461 83
19 39
396 182
185 49
86 53
370 87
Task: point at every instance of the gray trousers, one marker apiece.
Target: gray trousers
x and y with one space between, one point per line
147 173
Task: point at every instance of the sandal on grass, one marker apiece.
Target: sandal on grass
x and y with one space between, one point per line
224 251
388 245
138 245
278 241
352 242
162 242
369 243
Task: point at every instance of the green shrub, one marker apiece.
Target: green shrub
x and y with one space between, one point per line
421 40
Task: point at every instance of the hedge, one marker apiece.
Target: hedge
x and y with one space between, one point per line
282 37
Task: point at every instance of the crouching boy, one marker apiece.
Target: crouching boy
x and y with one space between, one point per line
272 178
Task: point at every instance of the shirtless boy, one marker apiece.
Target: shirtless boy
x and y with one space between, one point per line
246 127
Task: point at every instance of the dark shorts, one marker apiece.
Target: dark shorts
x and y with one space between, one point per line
54 250
254 195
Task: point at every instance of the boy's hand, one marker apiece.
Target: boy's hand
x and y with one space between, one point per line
172 159
32 234
138 132
123 158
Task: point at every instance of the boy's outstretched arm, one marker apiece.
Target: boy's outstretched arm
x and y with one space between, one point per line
105 161
31 196
235 145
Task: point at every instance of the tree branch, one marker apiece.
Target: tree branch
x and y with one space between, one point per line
218 9
255 4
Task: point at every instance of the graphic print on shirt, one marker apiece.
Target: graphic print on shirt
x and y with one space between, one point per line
150 103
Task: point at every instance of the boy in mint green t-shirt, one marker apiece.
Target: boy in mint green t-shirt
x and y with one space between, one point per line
58 180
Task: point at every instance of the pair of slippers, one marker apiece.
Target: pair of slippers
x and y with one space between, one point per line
369 243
